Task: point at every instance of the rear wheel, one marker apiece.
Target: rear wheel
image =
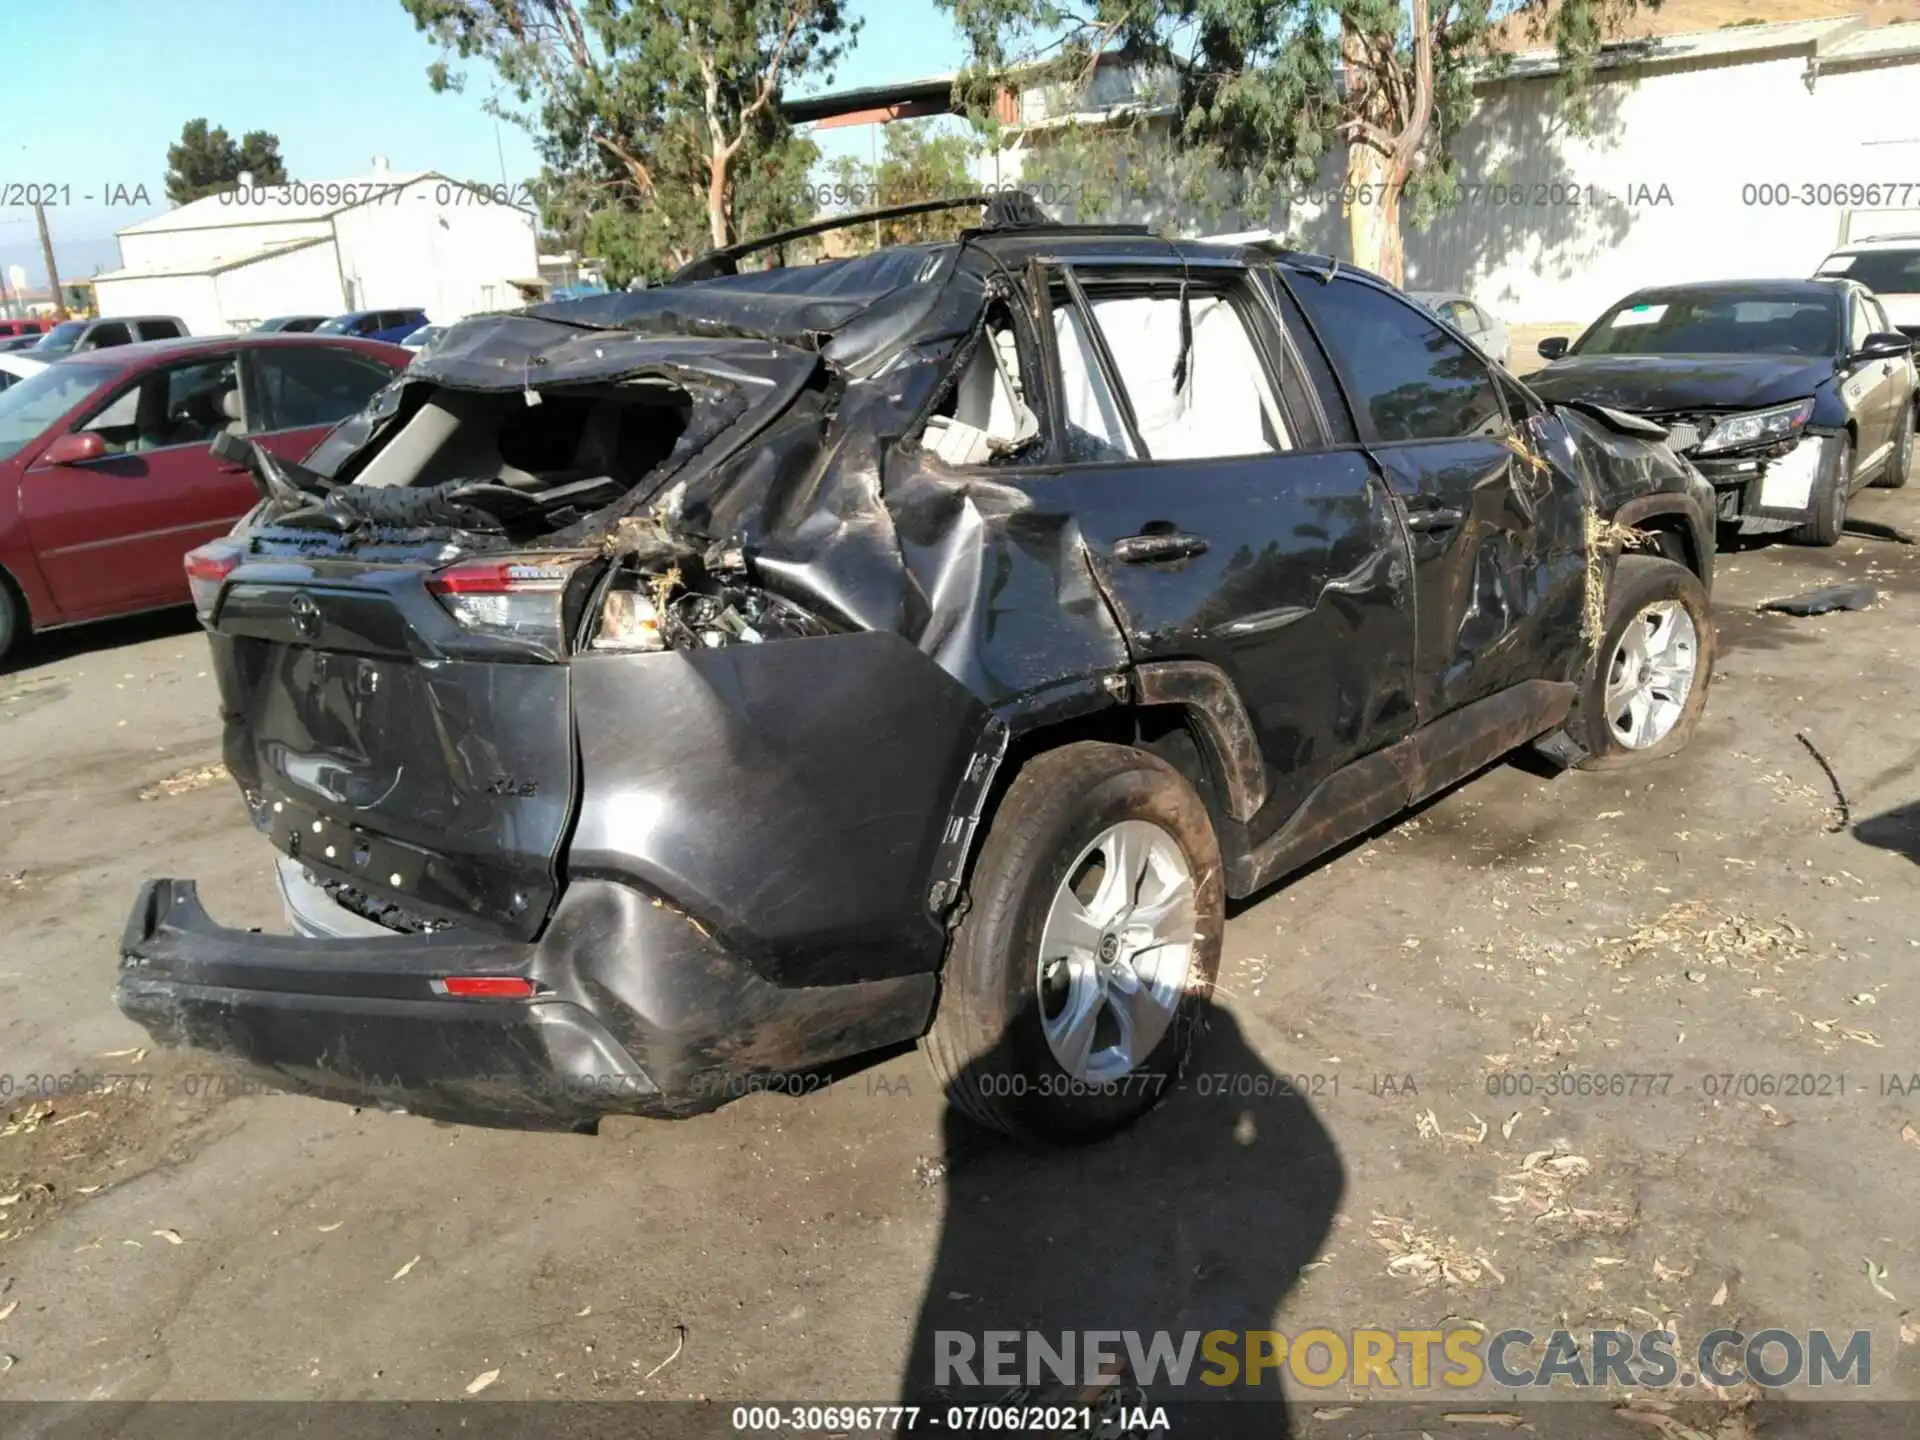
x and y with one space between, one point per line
1900 463
1832 489
1648 687
1074 983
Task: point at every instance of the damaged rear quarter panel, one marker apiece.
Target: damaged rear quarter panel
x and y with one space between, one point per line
790 796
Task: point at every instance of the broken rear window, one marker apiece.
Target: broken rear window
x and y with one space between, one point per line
522 464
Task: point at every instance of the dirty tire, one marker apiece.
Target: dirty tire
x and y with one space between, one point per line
13 616
1832 489
1639 581
987 1046
1900 463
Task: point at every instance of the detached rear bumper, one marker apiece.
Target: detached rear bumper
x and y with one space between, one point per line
635 1010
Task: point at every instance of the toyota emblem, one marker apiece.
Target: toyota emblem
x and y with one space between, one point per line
306 616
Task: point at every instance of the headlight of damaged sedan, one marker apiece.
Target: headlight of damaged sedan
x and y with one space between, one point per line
1757 427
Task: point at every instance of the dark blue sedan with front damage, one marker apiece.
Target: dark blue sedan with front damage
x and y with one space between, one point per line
1789 395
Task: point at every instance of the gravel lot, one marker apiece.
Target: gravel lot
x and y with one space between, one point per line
1707 920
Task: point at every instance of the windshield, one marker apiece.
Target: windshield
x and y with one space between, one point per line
1885 272
63 337
27 409
1718 322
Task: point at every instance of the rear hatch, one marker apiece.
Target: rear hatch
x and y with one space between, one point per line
392 644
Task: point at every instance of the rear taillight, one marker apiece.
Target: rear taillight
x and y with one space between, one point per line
207 570
512 598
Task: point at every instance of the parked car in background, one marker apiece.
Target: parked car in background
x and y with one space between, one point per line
1488 334
1013 601
107 477
18 342
1889 266
29 327
423 337
390 325
1789 395
15 368
77 337
286 324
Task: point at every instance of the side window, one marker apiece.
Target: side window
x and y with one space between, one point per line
1090 413
1862 325
110 332
181 405
301 386
1407 377
1196 384
158 330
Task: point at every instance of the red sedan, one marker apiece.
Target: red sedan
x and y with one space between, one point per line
107 476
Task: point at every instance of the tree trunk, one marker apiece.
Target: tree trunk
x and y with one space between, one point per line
717 226
1374 184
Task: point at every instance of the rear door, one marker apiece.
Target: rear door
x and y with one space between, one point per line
1498 555
296 393
1221 523
111 533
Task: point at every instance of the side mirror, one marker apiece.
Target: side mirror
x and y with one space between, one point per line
74 448
1553 347
1883 345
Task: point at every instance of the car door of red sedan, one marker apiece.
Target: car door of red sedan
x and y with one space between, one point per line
110 532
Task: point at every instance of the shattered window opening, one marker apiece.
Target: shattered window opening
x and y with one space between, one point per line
1091 418
984 417
491 463
1223 404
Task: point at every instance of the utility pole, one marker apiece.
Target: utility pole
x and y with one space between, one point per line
46 254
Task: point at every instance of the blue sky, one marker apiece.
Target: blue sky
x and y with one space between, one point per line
97 90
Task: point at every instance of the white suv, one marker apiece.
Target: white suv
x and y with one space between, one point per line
1888 265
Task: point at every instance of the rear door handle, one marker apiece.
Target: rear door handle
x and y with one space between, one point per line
1424 521
1152 549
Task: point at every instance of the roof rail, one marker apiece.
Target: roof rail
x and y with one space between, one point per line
1005 210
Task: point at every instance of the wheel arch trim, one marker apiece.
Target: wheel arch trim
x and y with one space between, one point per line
1220 721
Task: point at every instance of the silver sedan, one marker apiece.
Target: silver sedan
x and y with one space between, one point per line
1470 320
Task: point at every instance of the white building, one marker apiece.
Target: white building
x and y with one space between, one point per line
1739 153
389 240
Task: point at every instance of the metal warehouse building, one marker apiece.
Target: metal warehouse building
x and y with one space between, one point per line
385 240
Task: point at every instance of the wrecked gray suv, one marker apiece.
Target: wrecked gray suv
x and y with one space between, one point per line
654 697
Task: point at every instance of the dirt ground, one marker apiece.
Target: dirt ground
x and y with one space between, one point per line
1714 919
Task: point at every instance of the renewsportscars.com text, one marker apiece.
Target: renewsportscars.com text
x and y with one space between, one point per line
1403 1359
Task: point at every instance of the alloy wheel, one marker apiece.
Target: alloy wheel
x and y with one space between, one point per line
1116 950
1651 674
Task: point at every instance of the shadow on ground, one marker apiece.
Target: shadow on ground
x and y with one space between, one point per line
1198 1218
1897 829
55 645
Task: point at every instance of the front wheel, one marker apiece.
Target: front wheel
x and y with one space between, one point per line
1075 981
1648 686
1832 489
